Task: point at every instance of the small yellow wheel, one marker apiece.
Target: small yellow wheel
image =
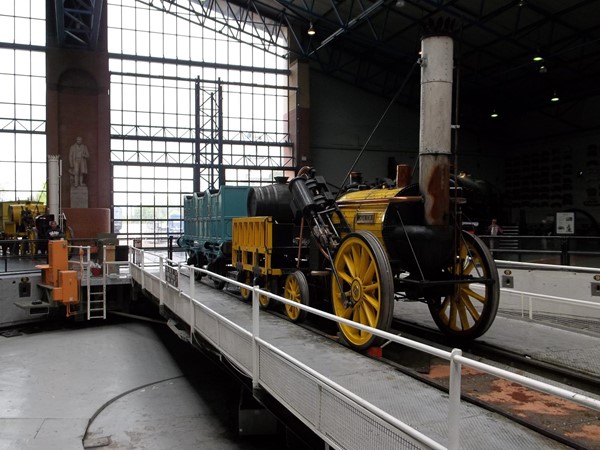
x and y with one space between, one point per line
246 278
296 288
263 300
266 284
470 309
367 287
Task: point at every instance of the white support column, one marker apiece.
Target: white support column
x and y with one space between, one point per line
192 297
255 335
454 391
161 279
54 186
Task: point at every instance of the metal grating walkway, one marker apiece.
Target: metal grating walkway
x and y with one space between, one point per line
225 321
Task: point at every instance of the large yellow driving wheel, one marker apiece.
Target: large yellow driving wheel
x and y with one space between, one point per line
470 309
296 288
366 294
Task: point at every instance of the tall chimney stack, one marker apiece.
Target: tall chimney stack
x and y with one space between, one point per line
437 51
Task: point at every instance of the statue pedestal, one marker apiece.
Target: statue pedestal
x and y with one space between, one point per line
79 197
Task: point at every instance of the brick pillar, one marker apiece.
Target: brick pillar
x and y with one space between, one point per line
77 104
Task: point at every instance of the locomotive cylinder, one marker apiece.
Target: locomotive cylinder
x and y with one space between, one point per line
303 200
435 127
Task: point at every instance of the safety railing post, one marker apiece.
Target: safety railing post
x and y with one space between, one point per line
143 266
88 282
255 336
192 297
179 286
522 305
161 279
454 390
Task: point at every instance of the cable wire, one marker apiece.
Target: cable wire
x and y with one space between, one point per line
396 95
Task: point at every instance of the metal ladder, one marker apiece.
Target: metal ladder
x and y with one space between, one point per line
96 294
96 302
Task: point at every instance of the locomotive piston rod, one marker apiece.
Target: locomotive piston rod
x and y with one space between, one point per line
312 198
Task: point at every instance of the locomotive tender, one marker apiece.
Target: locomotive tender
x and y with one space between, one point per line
364 247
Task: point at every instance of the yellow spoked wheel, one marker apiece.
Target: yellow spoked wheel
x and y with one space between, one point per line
296 288
367 289
265 284
470 309
246 278
263 301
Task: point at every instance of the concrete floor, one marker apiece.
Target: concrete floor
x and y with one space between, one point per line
119 385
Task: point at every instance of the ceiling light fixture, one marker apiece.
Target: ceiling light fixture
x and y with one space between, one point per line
538 58
494 114
543 69
311 30
555 97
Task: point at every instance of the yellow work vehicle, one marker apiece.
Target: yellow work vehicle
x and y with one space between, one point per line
18 224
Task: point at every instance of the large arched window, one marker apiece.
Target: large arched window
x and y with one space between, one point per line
198 100
22 100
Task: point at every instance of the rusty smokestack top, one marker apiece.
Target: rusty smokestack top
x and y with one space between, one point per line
437 54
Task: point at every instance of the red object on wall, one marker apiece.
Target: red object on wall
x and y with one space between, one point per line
88 223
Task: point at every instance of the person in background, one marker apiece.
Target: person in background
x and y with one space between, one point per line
494 230
53 232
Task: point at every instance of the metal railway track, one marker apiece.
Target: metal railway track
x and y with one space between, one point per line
561 420
558 419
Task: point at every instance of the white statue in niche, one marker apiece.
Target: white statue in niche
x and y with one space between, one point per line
78 155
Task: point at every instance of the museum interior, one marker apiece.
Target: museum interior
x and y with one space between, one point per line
193 192
167 98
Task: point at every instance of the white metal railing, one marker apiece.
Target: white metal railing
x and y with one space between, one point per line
83 267
110 268
529 297
528 300
454 357
501 264
84 271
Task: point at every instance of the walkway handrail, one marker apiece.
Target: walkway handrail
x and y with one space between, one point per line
504 264
454 357
552 298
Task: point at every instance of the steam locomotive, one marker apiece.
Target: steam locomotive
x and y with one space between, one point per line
359 250
364 247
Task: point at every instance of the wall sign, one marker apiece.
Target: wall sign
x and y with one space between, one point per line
565 223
